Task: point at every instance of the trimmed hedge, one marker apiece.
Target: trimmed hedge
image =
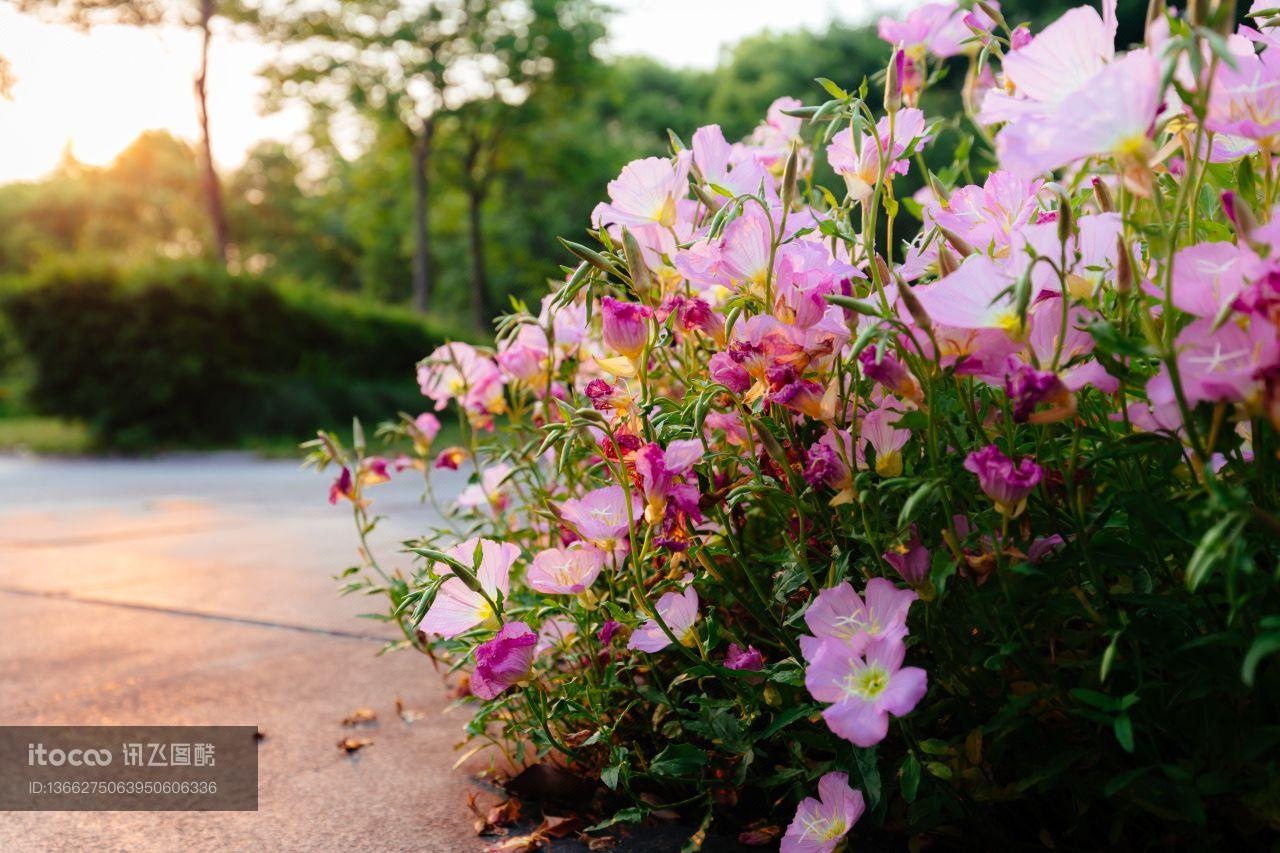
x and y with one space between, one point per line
182 355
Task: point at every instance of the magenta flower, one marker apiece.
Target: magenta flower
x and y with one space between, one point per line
910 559
939 28
820 823
748 659
504 660
625 326
607 631
729 373
679 610
565 571
1207 276
863 689
1001 480
662 477
1027 388
605 397
600 517
839 613
1222 364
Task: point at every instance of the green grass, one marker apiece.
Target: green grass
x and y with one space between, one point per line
33 434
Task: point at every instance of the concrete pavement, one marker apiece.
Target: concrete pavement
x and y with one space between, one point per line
200 590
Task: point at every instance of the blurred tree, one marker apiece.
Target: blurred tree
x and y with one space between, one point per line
411 64
198 14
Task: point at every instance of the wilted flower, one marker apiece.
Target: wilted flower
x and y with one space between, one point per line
1001 480
910 559
748 659
625 326
504 660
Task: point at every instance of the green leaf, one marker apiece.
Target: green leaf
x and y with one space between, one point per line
916 503
909 778
1266 644
635 814
1212 548
1124 732
678 761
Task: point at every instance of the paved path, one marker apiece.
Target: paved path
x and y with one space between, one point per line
199 590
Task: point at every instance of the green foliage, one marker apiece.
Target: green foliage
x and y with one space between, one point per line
179 354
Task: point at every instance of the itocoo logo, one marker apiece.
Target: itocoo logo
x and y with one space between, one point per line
38 755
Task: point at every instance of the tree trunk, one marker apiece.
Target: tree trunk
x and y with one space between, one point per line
421 217
212 187
477 189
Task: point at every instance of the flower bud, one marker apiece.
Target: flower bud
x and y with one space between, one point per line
625 326
893 82
957 242
1102 196
917 311
947 263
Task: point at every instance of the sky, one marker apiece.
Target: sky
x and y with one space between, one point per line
96 92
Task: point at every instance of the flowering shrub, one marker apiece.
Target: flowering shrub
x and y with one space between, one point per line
970 537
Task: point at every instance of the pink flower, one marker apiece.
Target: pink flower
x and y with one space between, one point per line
987 217
427 424
662 477
839 613
940 28
600 517
457 607
1110 115
861 168
1222 364
748 659
526 357
625 326
1001 480
771 140
555 634
646 192
879 431
504 660
720 164
1207 276
975 296
1054 64
819 824
565 571
679 610
490 493
457 372
910 559
1245 100
863 690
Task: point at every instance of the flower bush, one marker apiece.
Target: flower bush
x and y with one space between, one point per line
790 519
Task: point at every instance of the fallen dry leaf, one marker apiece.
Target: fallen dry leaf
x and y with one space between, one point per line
360 717
518 844
558 827
409 715
759 834
354 744
603 842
